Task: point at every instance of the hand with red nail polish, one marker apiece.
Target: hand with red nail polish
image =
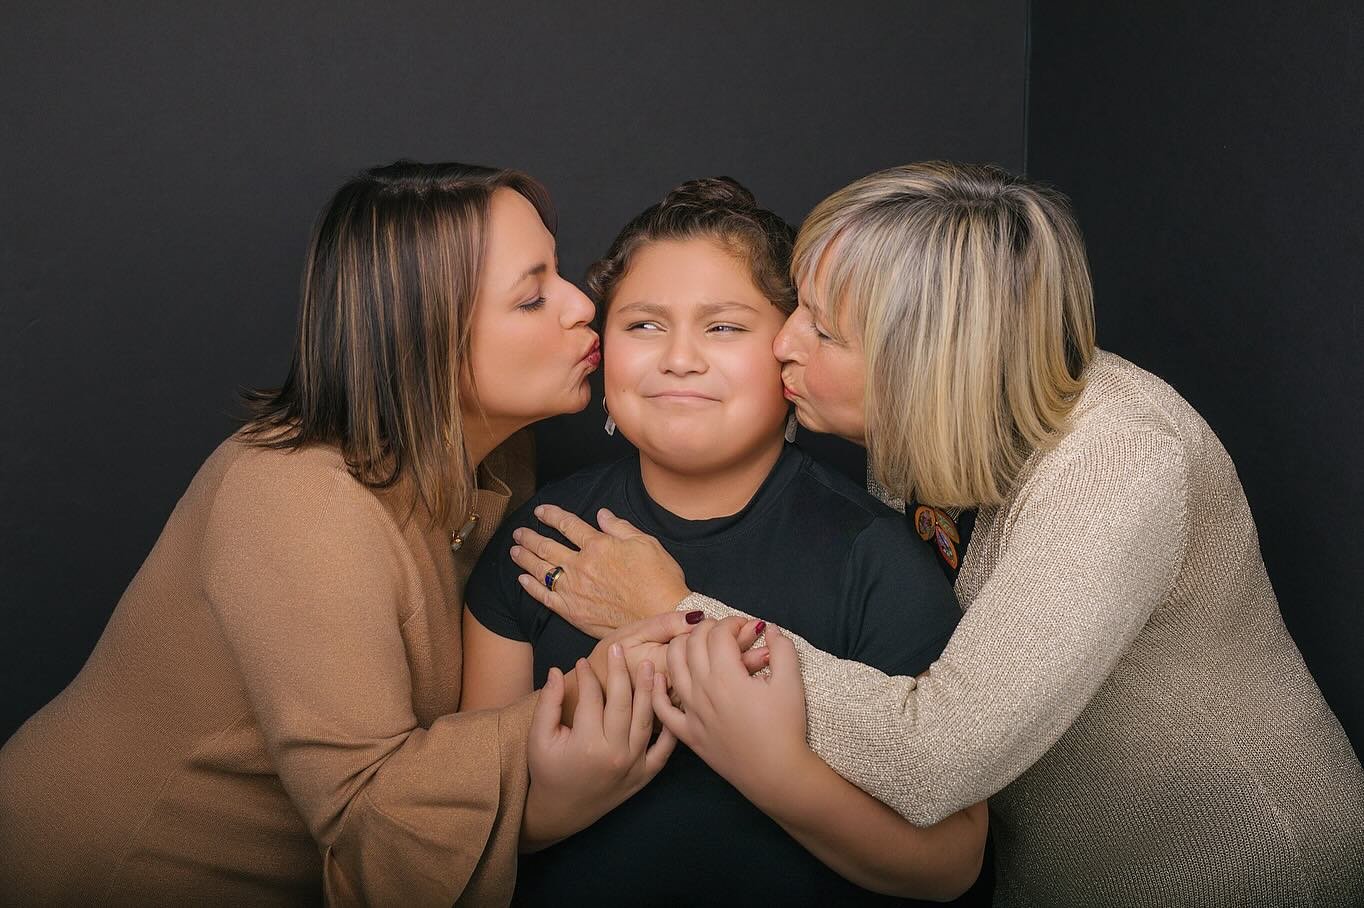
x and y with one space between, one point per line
751 730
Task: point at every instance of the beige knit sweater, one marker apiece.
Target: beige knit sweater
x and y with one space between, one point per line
1121 687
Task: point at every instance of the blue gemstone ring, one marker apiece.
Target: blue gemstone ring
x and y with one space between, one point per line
553 576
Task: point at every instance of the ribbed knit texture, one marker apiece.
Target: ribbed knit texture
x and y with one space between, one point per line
1122 686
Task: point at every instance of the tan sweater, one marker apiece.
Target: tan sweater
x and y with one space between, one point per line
1121 687
270 713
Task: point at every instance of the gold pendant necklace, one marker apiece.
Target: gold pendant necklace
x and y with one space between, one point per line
457 538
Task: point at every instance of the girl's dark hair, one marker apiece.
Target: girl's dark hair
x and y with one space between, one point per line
389 283
714 208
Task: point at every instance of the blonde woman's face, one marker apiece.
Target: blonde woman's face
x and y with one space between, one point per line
531 348
822 372
689 373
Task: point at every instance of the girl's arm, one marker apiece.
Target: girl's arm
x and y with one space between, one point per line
866 842
847 829
566 795
497 671
1092 545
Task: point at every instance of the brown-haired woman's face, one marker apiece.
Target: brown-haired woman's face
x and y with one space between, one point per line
531 349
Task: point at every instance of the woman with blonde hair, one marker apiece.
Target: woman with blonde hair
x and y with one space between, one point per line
270 717
1121 685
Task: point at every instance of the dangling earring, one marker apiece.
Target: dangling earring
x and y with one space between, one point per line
610 420
791 424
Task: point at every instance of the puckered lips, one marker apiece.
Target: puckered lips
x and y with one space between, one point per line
593 355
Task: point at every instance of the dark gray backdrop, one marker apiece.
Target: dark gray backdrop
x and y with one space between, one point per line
162 166
1214 153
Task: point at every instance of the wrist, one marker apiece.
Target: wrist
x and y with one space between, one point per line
535 832
682 599
777 787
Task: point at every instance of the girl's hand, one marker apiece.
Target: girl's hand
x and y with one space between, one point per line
579 774
612 578
647 641
751 730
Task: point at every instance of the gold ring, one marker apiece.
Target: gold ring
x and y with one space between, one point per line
553 576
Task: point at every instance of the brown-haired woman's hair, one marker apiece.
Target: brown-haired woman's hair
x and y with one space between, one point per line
713 208
970 291
389 284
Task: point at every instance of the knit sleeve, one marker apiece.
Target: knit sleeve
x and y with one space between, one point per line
1093 544
309 580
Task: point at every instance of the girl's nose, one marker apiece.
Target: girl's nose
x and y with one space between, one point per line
683 355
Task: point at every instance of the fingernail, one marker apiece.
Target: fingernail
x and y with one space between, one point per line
765 655
516 534
695 617
524 580
515 550
540 511
646 672
616 650
760 627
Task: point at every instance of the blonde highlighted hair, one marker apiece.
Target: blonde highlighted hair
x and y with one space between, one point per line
969 290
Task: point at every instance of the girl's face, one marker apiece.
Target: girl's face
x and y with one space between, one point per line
531 348
690 377
823 372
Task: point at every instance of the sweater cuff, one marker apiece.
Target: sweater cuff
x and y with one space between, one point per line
712 607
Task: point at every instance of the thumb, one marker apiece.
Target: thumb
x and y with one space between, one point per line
615 526
544 722
663 628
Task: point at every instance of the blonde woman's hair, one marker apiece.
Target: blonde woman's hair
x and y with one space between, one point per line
388 292
970 290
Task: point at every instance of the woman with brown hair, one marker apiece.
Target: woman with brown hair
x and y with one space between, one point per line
1121 685
270 716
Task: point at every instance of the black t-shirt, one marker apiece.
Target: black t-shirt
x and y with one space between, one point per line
812 552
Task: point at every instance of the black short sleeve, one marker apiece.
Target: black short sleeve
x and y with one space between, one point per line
491 593
903 606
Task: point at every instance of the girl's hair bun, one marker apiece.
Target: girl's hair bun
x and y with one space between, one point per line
711 191
715 208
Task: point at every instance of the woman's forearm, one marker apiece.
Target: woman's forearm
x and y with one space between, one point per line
855 724
866 842
1041 636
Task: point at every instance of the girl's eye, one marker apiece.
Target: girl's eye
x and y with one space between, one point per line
644 326
728 329
534 305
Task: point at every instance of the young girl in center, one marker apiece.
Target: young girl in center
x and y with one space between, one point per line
691 295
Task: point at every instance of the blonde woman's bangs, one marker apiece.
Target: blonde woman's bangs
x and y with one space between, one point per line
970 293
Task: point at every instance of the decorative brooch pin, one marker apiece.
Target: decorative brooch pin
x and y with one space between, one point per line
934 523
